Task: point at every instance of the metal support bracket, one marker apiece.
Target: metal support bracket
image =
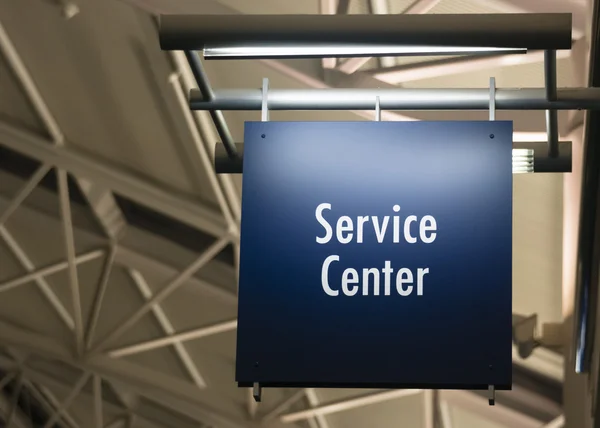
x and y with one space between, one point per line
492 98
257 392
265 101
492 395
377 110
551 95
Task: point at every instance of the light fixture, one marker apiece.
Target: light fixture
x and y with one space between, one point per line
522 161
229 51
294 36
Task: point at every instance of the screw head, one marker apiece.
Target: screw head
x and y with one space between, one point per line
263 136
491 136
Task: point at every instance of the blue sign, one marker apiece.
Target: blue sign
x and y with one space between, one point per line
376 254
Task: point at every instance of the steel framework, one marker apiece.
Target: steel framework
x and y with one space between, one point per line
96 360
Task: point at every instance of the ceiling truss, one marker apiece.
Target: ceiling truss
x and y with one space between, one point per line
97 361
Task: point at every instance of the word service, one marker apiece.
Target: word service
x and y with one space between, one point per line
347 231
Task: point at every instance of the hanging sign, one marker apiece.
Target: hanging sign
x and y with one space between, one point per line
376 254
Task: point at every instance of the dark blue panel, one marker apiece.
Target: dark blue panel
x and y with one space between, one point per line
455 333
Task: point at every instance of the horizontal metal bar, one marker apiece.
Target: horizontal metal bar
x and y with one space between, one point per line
166 201
398 99
530 31
541 161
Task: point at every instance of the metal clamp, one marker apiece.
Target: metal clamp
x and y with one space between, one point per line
265 102
492 98
492 395
257 392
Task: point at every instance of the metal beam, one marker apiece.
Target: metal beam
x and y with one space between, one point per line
200 151
351 65
24 192
447 67
398 99
36 276
351 403
173 338
68 400
313 402
97 391
527 31
165 201
48 270
69 242
282 406
168 329
99 295
173 285
479 405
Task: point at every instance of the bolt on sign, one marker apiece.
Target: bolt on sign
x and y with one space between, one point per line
376 255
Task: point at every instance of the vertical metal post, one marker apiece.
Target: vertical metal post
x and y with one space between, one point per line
206 91
551 115
65 209
265 101
377 110
97 386
492 98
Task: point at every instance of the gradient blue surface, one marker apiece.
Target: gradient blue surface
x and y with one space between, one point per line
456 335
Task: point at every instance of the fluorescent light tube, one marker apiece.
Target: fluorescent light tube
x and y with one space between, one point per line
264 51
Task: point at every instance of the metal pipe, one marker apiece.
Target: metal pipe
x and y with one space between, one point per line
529 31
551 95
398 99
587 282
541 161
206 93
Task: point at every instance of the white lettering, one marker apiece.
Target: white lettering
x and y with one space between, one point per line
409 238
324 223
350 276
421 272
365 284
380 230
404 276
325 276
387 277
362 219
396 209
428 223
344 224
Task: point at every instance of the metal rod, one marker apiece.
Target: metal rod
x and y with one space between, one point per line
587 286
313 402
173 285
165 201
24 192
284 405
69 241
203 153
41 283
99 296
68 400
48 270
541 163
168 329
342 7
352 403
206 92
398 99
551 95
198 333
529 31
97 388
